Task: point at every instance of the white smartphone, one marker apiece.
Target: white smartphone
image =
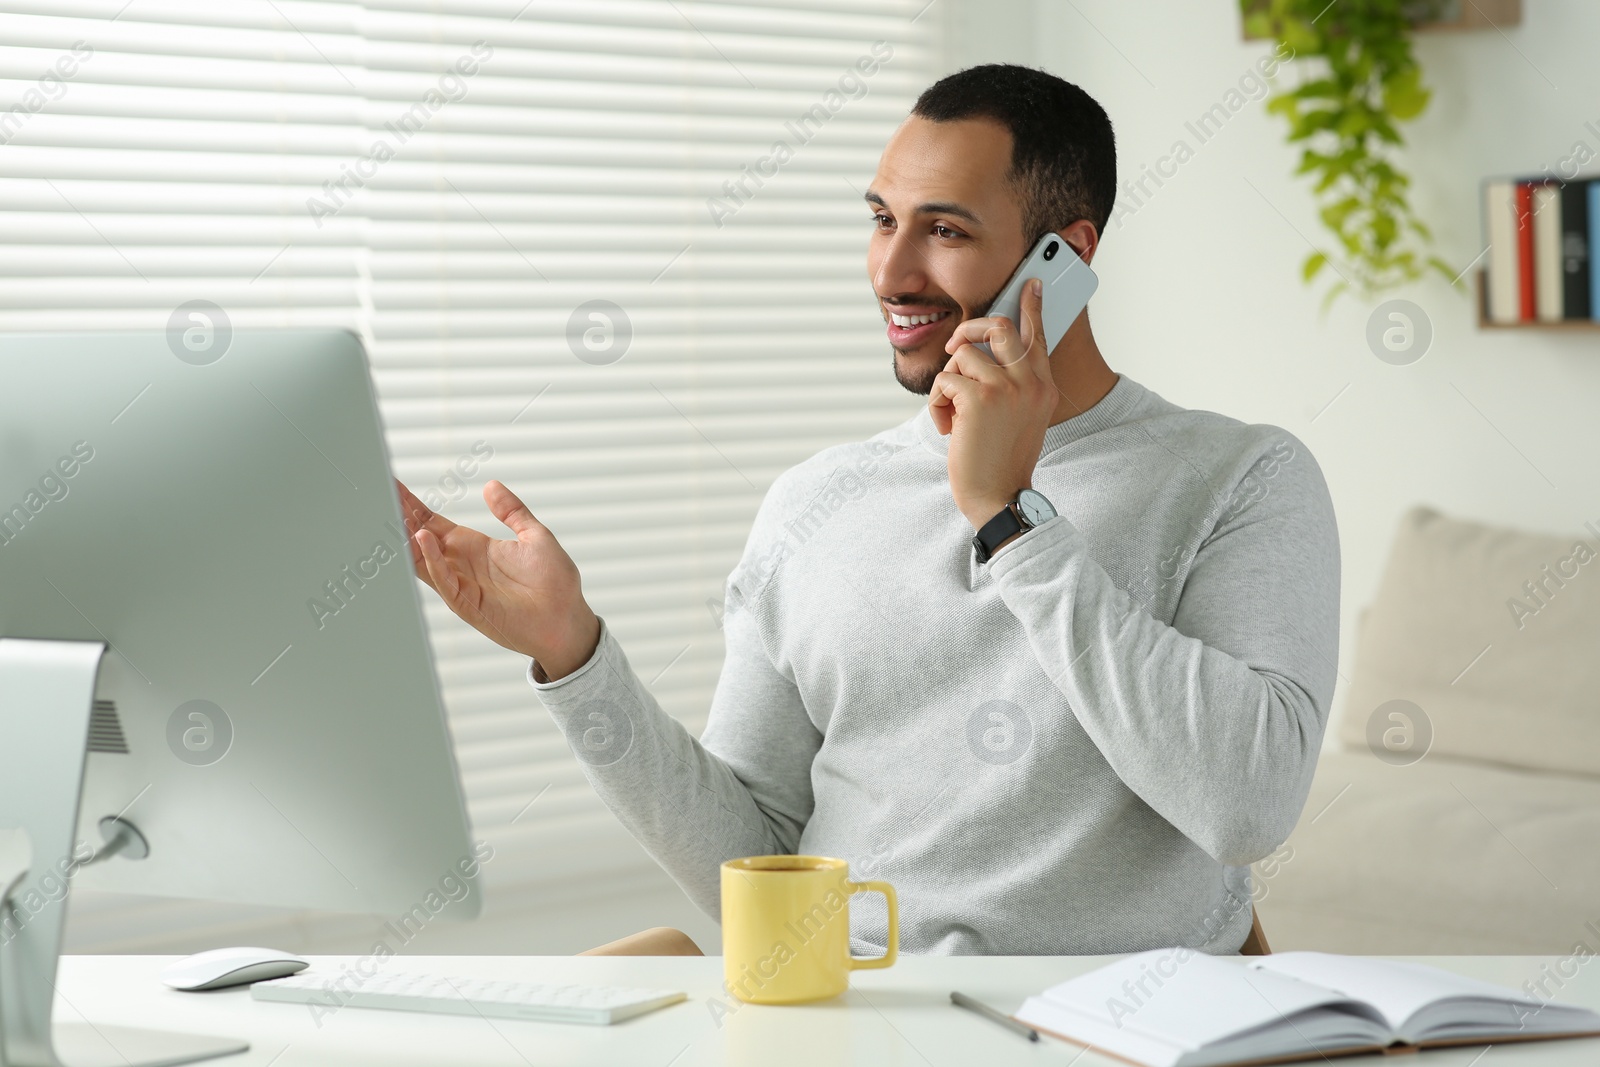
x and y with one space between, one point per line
1068 285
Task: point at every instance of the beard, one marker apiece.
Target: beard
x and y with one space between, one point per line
919 379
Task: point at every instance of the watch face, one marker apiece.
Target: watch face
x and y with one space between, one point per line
1034 507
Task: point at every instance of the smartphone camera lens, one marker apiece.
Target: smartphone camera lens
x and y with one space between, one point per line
1050 250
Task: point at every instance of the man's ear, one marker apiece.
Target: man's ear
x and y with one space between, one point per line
1083 237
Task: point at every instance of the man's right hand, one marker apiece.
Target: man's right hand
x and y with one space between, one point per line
524 594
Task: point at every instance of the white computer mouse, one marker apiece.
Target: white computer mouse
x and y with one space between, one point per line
224 967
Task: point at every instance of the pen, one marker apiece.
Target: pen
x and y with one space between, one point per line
961 1000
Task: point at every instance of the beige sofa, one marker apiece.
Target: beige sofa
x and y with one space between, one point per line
1457 807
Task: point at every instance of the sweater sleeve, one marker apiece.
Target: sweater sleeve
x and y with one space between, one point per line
744 789
1216 720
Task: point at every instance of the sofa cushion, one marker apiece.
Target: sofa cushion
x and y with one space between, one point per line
1441 856
1494 634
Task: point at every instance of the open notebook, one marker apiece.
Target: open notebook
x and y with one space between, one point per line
1182 1008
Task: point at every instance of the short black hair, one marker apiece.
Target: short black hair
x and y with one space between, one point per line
1063 151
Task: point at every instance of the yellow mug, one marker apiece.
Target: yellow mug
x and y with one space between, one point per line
786 928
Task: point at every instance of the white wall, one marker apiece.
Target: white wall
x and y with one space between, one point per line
1200 300
1200 297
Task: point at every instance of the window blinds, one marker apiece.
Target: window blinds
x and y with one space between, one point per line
610 252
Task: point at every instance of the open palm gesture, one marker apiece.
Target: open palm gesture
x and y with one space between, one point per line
525 594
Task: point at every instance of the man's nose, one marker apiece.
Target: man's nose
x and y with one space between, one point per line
901 267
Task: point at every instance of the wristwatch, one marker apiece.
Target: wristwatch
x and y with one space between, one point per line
1030 509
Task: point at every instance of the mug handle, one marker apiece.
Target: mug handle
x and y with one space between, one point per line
868 963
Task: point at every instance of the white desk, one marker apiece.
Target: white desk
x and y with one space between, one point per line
900 1016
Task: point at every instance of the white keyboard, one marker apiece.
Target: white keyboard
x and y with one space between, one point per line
598 1005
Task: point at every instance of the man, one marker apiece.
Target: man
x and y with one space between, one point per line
1072 736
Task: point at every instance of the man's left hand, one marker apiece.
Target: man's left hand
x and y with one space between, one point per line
995 410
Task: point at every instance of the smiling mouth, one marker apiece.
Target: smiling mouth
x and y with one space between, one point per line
911 333
906 322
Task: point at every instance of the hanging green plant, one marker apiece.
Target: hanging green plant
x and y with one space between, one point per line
1346 117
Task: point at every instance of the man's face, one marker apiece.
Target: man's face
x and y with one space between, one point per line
947 236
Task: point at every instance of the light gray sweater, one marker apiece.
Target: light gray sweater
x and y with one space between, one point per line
1076 748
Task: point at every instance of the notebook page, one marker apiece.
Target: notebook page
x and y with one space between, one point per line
1186 997
1397 989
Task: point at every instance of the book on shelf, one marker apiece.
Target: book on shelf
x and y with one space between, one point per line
1500 217
1179 1007
1593 191
1540 233
1575 293
1548 280
1524 194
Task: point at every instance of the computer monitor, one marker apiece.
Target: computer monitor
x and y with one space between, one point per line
215 680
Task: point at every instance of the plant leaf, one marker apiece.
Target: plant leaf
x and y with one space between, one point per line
1334 215
1311 160
1298 34
1319 87
1353 123
1333 294
1384 230
1404 96
1311 122
1258 24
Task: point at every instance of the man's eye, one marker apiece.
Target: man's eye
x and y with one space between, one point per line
882 221
945 231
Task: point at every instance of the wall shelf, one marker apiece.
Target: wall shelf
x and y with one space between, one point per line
1484 323
1456 15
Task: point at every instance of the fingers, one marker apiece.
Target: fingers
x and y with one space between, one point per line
970 375
951 389
976 364
1012 345
941 406
460 593
435 569
414 511
972 331
1007 345
418 515
1033 314
415 514
509 509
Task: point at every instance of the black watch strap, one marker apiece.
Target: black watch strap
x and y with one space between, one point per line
995 532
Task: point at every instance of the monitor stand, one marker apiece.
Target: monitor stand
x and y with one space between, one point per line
46 696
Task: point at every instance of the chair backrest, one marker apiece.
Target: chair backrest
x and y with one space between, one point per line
1255 943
